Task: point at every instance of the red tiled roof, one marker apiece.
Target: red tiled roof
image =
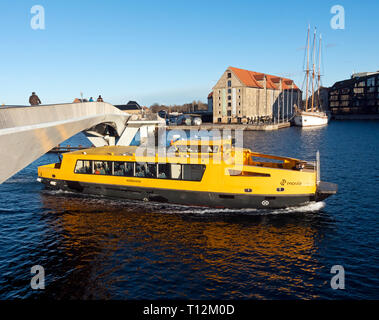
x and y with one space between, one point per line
255 79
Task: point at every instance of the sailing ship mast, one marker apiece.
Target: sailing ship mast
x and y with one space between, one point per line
307 71
313 70
319 73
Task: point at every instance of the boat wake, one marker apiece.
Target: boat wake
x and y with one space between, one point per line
169 208
307 208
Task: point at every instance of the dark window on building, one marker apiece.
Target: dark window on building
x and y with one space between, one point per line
229 74
229 104
229 113
229 97
371 82
229 90
229 83
219 120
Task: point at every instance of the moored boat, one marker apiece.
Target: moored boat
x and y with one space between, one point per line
311 119
312 115
191 172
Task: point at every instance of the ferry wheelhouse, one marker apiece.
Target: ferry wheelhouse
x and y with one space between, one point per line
190 172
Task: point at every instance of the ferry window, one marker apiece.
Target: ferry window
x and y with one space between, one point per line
193 172
83 166
125 169
140 170
129 167
164 171
103 167
176 171
151 170
238 173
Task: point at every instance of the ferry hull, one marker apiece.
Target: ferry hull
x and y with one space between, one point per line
191 198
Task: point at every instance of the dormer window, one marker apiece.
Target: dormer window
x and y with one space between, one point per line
229 75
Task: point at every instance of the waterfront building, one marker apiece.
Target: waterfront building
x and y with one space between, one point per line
133 108
357 97
243 96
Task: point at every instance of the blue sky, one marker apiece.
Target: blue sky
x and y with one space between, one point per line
171 51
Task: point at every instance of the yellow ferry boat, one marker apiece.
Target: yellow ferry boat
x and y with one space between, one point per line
192 172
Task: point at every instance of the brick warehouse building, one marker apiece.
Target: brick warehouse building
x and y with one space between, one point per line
242 95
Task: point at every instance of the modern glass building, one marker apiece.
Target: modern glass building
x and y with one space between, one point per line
356 96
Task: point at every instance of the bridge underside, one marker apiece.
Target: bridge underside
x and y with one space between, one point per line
27 133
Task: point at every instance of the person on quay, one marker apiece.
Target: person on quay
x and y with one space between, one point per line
100 99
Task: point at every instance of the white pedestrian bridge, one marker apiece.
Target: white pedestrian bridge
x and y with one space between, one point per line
27 133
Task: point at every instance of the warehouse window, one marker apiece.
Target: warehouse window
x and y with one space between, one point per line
229 83
229 74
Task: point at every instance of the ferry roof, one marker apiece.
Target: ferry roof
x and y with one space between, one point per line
108 150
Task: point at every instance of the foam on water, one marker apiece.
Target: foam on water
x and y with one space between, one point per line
171 208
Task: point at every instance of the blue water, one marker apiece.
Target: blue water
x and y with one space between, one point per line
96 248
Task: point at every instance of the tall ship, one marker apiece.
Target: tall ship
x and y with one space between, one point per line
190 172
311 115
